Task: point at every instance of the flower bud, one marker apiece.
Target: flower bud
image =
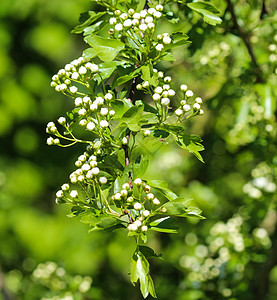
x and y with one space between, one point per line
124 141
126 186
183 87
144 228
103 180
90 126
59 194
196 106
159 47
138 223
117 196
95 171
137 206
178 112
137 181
186 107
62 120
146 132
130 199
156 201
146 213
189 93
150 196
65 187
104 124
73 194
132 227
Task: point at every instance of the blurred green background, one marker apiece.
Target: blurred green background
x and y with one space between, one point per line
232 254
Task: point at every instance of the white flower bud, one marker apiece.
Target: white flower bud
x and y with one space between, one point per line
81 178
124 193
78 101
139 86
145 84
166 86
183 87
137 206
112 113
158 90
104 111
104 124
127 23
113 21
126 186
167 40
117 196
151 10
78 163
150 196
56 141
118 27
171 93
108 96
189 93
137 181
165 94
117 12
131 11
136 16
94 68
93 107
159 47
65 187
167 79
183 102
59 194
151 25
67 81
146 213
123 16
198 100
201 112
124 141
86 99
63 87
130 199
160 74
89 175
55 77
156 201
93 163
159 7
82 112
73 89
82 70
165 101
132 227
103 180
138 223
157 14
186 107
144 228
146 132
95 171
99 100
85 167
196 106
143 27
156 97
83 122
73 194
82 158
148 20
143 13
53 84
135 22
62 120
61 72
178 112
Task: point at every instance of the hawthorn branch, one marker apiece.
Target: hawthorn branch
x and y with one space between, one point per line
245 38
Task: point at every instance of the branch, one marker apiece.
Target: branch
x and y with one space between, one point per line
263 11
245 38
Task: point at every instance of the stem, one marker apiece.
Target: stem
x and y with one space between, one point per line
245 38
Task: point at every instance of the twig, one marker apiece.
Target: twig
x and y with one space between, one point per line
245 37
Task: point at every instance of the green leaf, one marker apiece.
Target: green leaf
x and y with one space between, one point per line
149 119
95 28
86 19
162 187
148 252
149 75
132 116
208 11
140 166
106 48
125 78
168 57
108 68
89 53
178 39
120 107
165 225
160 133
190 142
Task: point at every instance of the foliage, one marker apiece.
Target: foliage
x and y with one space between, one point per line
232 66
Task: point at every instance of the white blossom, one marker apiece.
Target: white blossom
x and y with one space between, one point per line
95 171
156 201
186 107
104 111
178 112
159 47
82 70
132 227
165 101
104 124
118 27
143 27
137 206
78 101
113 21
137 181
183 87
73 89
189 93
73 194
144 228
103 180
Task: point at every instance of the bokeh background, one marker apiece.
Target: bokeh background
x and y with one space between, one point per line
231 254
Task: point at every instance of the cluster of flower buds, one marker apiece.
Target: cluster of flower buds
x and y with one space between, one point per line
52 129
138 219
163 40
95 112
186 105
78 71
87 170
140 22
65 194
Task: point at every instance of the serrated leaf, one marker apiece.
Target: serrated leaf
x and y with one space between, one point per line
207 10
149 75
148 252
165 225
132 116
140 166
162 187
87 19
106 48
120 107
